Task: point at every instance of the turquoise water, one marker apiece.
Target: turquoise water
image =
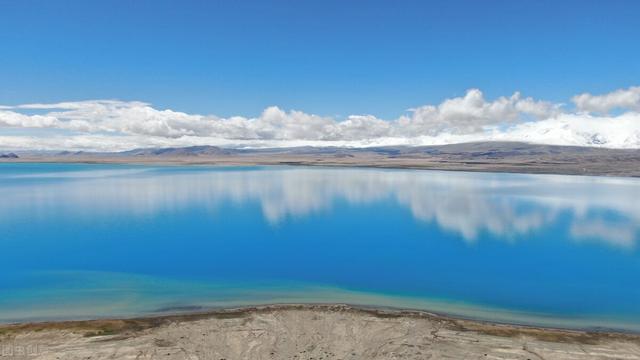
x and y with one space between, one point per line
87 241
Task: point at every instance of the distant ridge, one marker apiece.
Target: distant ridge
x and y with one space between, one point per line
9 156
180 151
489 149
476 156
474 149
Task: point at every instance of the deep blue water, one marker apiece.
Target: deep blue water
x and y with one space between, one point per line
113 240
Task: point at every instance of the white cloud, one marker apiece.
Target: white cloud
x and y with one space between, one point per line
472 112
15 119
120 125
626 99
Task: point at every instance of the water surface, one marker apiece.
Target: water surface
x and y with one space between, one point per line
86 241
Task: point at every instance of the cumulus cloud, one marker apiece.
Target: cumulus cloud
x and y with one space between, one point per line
120 125
12 118
472 112
625 99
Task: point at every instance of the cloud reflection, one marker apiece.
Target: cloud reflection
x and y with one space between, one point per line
507 206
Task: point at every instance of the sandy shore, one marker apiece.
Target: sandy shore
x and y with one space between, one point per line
306 332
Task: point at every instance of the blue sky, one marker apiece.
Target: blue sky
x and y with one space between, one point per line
325 57
344 73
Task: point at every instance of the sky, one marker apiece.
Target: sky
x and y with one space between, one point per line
115 75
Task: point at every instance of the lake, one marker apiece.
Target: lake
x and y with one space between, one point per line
90 241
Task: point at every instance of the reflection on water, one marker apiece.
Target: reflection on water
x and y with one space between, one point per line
505 205
106 240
